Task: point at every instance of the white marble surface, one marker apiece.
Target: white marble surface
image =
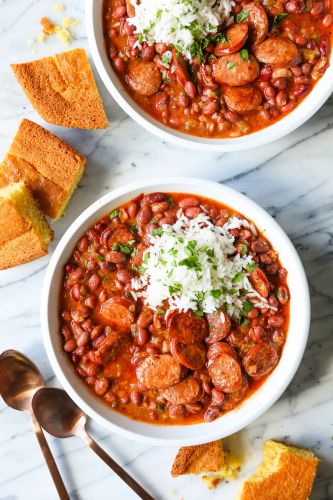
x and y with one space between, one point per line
292 178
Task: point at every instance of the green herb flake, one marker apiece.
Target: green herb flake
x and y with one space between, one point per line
231 65
160 408
251 267
101 257
244 54
242 15
157 231
247 307
238 277
134 229
244 250
166 58
114 213
159 311
199 313
277 19
216 293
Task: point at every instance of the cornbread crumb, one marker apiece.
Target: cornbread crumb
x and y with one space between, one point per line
49 167
61 31
59 7
41 38
47 26
31 41
210 481
62 90
24 232
286 472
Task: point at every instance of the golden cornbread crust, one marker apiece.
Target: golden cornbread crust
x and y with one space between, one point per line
62 90
49 167
286 473
24 232
206 457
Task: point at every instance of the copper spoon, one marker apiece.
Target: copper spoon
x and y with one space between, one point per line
61 417
19 380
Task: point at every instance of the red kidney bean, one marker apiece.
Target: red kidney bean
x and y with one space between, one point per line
269 92
76 275
176 411
265 258
94 282
275 321
83 338
87 325
266 73
217 397
273 301
193 408
145 318
91 301
300 40
142 336
253 314
301 79
327 20
169 219
283 294
92 369
113 52
192 212
161 47
265 114
132 210
317 9
83 244
209 108
296 70
152 198
96 332
127 29
259 246
257 334
281 99
151 349
101 386
136 398
190 89
110 398
160 206
144 216
183 101
120 64
289 106
279 336
75 291
148 53
300 90
323 46
81 371
189 202
124 276
93 235
66 332
91 380
70 345
294 7
119 11
99 341
306 68
231 116
212 413
283 273
69 268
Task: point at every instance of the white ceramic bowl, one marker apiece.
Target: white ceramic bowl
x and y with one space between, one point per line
303 112
252 407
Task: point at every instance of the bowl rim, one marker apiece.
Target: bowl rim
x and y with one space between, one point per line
282 127
146 434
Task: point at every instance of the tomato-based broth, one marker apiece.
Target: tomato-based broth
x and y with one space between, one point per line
174 308
248 72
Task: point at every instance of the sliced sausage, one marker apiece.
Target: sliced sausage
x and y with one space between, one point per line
192 356
187 391
278 52
188 328
219 326
130 8
236 36
114 236
234 398
261 359
234 71
158 371
225 372
110 347
260 282
144 77
180 65
257 21
220 348
118 312
242 99
274 7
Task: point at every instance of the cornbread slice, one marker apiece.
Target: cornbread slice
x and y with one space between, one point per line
208 457
49 167
286 473
62 90
24 232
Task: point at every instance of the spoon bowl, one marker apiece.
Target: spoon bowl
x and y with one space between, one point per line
19 380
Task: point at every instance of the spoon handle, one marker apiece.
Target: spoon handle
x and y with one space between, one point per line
54 471
116 467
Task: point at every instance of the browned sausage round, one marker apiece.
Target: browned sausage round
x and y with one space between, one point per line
110 238
242 99
235 71
219 326
188 328
187 391
158 371
220 348
144 77
232 399
261 359
117 312
257 21
236 36
225 372
260 282
278 52
192 356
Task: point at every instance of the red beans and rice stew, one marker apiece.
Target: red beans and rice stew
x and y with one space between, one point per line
157 363
256 67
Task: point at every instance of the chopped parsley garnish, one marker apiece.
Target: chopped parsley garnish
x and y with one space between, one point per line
238 277
216 293
125 249
247 307
101 257
134 228
220 38
199 313
244 250
159 311
231 65
166 57
114 214
242 15
157 231
244 53
251 267
278 18
160 407
175 288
